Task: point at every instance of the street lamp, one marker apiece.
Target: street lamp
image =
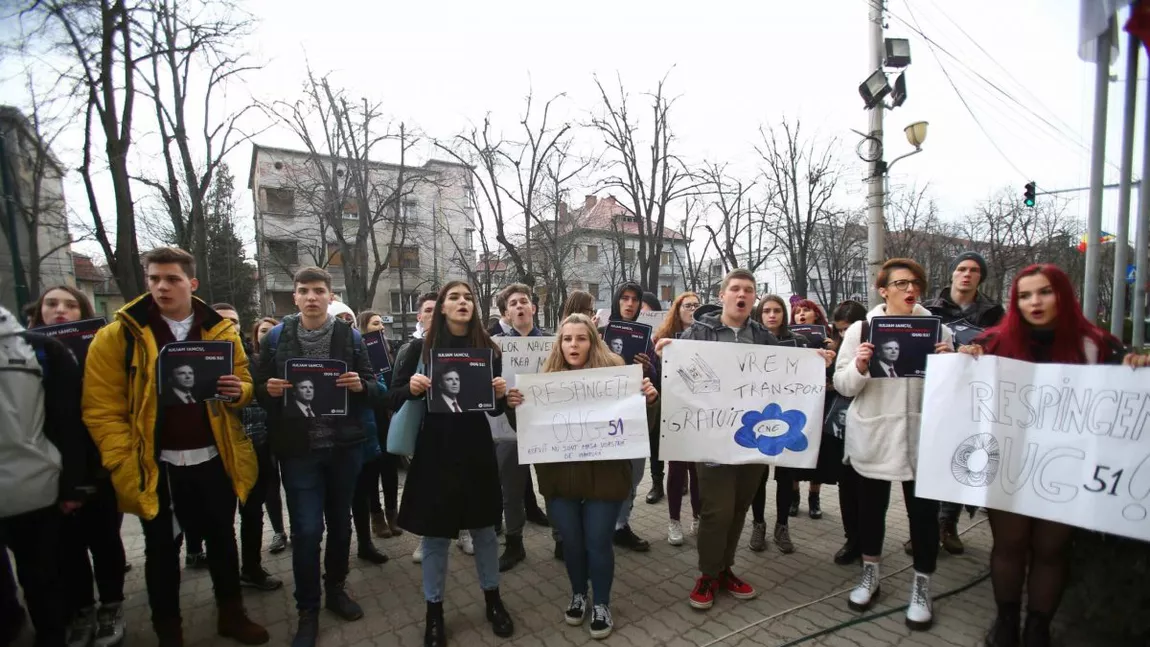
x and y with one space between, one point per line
916 133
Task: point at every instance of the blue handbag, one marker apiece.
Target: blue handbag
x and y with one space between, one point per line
405 424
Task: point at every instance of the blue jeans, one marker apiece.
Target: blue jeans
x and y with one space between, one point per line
318 486
435 562
637 465
587 529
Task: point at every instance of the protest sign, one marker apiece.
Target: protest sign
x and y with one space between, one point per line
313 389
76 335
523 355
190 371
653 318
461 380
592 414
627 339
902 344
377 352
741 403
816 333
1068 443
964 332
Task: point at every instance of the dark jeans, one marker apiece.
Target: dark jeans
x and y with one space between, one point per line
388 467
94 527
657 471
320 486
587 529
274 502
784 495
677 475
203 500
365 491
849 503
874 499
34 540
252 514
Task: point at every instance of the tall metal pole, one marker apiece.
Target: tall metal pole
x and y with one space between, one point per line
1142 241
1118 287
876 194
1097 167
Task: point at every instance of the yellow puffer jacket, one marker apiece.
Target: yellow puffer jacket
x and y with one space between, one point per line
120 407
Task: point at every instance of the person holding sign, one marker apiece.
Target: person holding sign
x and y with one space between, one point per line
179 466
320 454
453 482
383 517
1043 324
964 309
626 307
679 318
584 497
95 527
519 503
882 439
725 491
845 314
771 311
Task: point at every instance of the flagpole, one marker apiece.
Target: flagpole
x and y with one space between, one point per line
1097 169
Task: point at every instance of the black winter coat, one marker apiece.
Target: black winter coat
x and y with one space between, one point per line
453 481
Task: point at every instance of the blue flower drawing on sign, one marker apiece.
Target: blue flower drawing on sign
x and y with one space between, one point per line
773 430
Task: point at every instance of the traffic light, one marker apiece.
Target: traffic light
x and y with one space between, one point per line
1028 196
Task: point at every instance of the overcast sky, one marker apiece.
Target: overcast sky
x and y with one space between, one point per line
734 65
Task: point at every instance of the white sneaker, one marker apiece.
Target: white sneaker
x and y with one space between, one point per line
866 593
693 529
417 556
464 542
675 533
918 613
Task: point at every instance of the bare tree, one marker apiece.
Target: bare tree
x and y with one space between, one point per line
742 237
840 258
97 40
650 183
192 60
801 176
694 261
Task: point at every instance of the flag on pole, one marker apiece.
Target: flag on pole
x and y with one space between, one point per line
1093 18
1106 238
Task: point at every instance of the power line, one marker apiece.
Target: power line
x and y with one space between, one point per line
961 98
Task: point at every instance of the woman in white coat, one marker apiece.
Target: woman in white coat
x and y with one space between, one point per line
882 442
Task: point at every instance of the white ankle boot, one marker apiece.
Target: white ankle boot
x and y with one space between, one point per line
866 593
918 613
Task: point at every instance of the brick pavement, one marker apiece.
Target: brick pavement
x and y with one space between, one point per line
649 597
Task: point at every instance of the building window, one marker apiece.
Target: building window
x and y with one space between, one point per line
400 305
280 201
593 288
284 253
666 260
628 255
351 209
406 257
409 207
666 293
334 256
283 303
469 239
592 253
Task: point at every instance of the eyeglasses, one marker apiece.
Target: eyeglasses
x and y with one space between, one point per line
690 306
904 284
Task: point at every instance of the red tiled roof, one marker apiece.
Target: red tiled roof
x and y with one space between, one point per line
86 270
607 214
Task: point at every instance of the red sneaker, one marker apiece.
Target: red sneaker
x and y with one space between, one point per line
736 587
703 595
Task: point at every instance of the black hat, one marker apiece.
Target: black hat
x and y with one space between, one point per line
971 256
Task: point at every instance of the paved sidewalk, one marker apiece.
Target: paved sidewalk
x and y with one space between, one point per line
649 597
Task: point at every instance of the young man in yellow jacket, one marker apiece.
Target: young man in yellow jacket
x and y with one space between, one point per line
175 465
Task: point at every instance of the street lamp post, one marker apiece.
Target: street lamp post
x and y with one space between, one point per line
876 202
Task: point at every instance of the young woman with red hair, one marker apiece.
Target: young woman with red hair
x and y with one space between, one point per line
808 313
1043 324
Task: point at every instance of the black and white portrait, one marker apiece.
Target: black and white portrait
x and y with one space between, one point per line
886 354
190 371
835 422
617 346
313 391
461 381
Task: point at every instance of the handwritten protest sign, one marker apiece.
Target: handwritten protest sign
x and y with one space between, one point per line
592 414
523 355
653 318
740 403
1066 443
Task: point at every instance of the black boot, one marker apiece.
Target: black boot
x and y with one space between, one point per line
1036 633
1004 633
656 494
512 554
848 554
815 511
501 624
369 553
435 633
535 515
